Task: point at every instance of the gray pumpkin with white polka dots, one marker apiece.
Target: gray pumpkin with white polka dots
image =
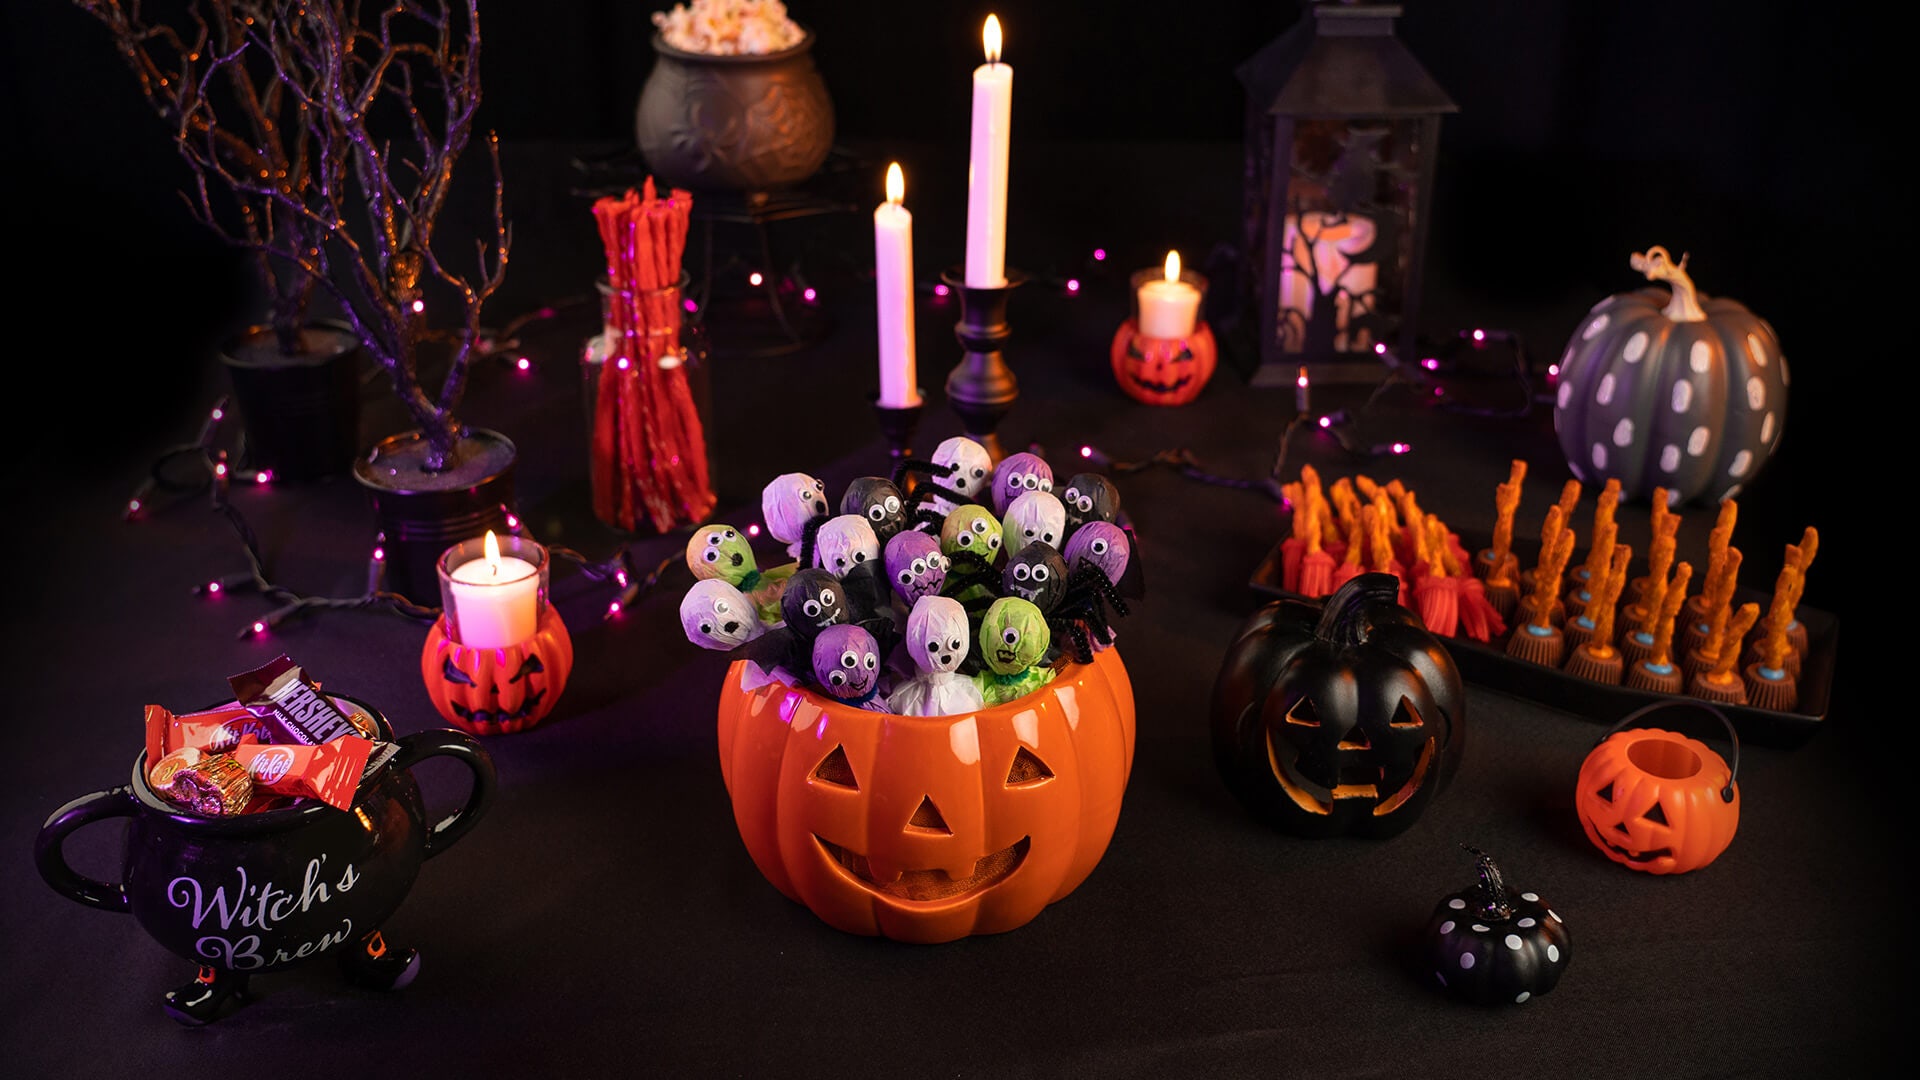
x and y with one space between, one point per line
1694 405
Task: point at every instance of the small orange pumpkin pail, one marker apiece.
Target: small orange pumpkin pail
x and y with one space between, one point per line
929 828
1657 801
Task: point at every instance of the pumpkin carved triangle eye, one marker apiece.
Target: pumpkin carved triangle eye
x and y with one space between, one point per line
1027 770
926 818
1303 713
1406 716
1605 793
453 674
1655 815
833 769
532 666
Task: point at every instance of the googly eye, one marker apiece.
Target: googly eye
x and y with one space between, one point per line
904 577
827 599
955 644
1098 547
1043 483
1021 573
1031 482
1085 504
1010 635
1071 496
849 658
1040 573
978 473
877 512
1046 538
811 608
965 540
713 539
819 485
711 555
945 563
893 504
993 542
919 567
979 525
1029 533
840 562
706 628
837 678
869 661
720 607
731 535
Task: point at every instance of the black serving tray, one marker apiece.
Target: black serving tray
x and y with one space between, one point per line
1488 665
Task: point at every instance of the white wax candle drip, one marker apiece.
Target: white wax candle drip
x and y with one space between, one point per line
987 167
496 599
1169 307
893 289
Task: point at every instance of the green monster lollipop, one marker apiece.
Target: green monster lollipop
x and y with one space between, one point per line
971 530
1013 638
720 551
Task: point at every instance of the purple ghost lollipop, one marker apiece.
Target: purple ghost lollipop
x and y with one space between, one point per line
1017 475
915 566
846 661
1101 543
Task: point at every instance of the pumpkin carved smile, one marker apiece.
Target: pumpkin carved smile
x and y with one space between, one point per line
930 885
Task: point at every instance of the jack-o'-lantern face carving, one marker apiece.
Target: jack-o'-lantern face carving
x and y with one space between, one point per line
929 828
496 691
1347 724
1657 801
1160 371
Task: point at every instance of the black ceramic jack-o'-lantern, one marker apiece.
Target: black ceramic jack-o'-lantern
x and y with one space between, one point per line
1342 720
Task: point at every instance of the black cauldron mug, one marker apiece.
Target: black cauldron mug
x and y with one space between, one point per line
259 892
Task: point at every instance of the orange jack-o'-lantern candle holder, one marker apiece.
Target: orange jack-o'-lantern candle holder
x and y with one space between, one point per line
1657 801
501 675
929 828
1164 370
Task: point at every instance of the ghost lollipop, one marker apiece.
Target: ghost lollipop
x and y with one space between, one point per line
937 633
1035 517
846 662
715 615
1013 638
845 542
961 474
788 502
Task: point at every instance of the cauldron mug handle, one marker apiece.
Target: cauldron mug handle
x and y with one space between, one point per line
51 858
422 745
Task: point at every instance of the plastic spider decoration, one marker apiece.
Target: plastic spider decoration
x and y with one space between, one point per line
915 566
788 502
1036 517
1089 497
1078 604
1017 475
876 499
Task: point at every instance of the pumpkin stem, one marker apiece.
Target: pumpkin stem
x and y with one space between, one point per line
1492 888
1659 266
1343 621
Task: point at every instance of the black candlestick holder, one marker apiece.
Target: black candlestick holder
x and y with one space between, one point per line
897 424
981 388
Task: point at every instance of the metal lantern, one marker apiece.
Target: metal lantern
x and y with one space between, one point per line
1342 130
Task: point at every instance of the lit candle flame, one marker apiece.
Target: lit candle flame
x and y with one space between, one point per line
493 553
991 37
896 184
1173 266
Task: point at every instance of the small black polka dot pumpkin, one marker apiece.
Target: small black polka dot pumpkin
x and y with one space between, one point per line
1492 946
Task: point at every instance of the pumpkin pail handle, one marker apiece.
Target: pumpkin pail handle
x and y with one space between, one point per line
1733 771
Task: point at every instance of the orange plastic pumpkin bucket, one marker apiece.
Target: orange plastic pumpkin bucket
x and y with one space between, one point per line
929 828
1657 801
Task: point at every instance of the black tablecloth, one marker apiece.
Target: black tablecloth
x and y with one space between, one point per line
605 919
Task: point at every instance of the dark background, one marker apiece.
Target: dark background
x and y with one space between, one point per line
607 933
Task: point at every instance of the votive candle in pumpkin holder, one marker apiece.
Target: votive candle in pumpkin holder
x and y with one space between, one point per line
497 659
1164 353
928 828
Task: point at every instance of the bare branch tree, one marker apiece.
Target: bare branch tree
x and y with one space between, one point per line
278 103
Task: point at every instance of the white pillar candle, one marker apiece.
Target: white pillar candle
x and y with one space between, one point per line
1169 307
987 167
893 288
496 601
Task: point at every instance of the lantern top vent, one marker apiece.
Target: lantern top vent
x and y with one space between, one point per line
1343 62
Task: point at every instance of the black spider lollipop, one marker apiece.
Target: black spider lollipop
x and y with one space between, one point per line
876 499
1089 497
814 600
1037 574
